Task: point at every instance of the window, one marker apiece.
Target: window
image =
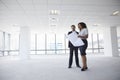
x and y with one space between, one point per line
47 43
14 44
6 43
118 36
60 43
101 43
90 45
51 44
95 43
41 46
32 44
1 43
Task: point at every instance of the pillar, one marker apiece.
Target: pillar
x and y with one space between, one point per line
24 42
110 42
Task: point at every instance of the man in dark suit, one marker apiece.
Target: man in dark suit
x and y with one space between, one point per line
73 49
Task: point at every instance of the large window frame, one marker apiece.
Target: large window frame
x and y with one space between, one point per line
57 46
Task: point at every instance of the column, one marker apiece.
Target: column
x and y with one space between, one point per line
110 42
3 45
24 42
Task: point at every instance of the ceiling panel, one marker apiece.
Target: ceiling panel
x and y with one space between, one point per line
35 13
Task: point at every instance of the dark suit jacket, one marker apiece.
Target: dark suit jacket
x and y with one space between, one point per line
70 45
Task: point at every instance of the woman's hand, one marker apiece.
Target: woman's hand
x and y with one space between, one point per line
79 36
86 36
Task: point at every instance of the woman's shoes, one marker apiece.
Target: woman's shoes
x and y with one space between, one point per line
84 69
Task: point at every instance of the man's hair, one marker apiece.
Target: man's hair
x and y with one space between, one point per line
72 25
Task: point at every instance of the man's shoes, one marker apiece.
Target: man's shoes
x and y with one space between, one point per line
69 67
79 66
84 69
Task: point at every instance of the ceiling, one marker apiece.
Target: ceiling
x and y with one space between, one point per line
36 14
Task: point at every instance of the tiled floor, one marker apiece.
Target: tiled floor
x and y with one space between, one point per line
54 67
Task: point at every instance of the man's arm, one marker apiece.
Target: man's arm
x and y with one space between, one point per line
69 32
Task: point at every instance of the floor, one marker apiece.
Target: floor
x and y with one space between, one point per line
54 67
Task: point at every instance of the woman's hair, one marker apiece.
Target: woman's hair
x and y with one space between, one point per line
82 24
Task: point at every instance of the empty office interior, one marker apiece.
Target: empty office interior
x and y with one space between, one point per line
34 39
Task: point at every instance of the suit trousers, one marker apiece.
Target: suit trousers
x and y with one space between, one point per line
73 50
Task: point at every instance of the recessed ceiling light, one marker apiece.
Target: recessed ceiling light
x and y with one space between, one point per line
53 19
54 12
15 25
53 25
96 25
115 13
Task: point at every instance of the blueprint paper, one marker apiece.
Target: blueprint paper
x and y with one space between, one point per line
73 38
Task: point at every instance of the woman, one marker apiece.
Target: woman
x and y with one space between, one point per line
83 34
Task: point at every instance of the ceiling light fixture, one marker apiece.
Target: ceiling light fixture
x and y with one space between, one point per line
54 12
115 13
15 25
96 25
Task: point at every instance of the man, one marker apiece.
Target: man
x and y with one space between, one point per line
73 49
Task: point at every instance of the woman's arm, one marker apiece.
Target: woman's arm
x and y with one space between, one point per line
85 37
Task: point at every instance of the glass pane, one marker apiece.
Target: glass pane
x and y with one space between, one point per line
66 44
119 45
40 51
95 42
1 54
51 44
89 50
1 40
89 41
118 36
14 53
14 44
1 43
32 44
118 42
101 42
14 41
32 52
7 41
60 46
40 43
